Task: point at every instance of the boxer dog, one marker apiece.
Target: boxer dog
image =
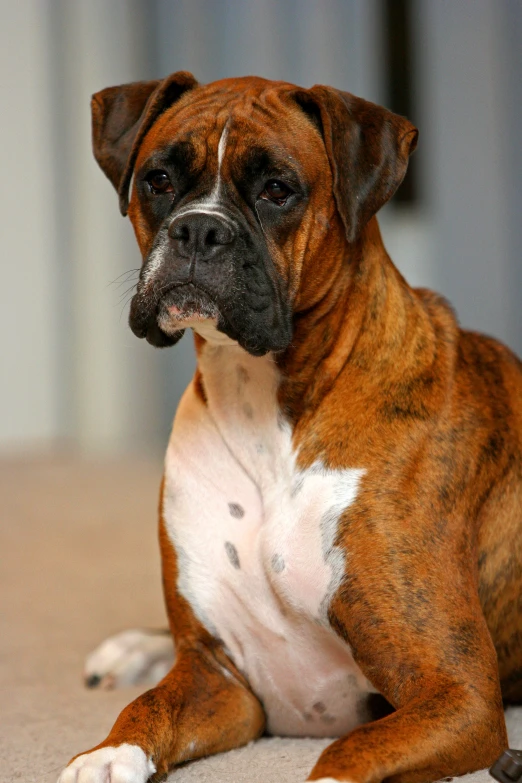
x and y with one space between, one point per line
341 508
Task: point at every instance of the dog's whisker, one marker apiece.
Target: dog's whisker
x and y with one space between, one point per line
126 275
125 305
125 293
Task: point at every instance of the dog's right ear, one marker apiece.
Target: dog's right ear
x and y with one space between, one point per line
368 148
121 116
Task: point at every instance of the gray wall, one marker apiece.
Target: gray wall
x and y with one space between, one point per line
468 119
510 27
71 370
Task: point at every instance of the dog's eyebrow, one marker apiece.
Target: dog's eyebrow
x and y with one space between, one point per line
263 161
180 155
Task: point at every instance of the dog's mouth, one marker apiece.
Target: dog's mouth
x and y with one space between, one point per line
227 317
163 322
184 306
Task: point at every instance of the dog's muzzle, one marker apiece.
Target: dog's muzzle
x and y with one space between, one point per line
206 264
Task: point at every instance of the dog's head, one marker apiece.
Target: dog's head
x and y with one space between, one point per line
238 190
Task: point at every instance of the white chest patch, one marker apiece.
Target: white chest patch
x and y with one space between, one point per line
255 540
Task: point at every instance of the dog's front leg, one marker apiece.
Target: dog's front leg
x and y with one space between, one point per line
199 708
428 651
450 731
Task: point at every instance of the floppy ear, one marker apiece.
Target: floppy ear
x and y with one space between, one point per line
368 148
121 116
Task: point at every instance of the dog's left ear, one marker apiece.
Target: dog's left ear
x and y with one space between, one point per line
368 148
121 116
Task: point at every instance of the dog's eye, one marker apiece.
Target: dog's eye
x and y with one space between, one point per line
159 182
276 191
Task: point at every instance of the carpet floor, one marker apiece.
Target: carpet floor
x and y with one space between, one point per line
78 562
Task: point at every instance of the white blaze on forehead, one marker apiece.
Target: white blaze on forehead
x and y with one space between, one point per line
208 206
214 196
221 146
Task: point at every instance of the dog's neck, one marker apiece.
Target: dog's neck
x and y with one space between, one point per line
367 311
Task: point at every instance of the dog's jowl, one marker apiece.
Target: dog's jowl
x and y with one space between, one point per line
341 508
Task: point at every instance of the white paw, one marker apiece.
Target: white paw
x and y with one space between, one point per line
124 764
129 658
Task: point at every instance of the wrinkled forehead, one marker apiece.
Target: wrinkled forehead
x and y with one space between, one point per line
219 128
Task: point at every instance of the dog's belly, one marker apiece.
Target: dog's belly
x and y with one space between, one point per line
258 563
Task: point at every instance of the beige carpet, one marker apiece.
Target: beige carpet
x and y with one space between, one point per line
78 561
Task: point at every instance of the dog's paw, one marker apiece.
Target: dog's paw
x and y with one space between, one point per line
129 658
124 764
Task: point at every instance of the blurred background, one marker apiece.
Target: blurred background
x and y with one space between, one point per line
72 374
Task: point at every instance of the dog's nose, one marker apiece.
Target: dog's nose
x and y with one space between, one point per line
201 235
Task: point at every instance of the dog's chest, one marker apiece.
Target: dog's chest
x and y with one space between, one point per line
255 538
